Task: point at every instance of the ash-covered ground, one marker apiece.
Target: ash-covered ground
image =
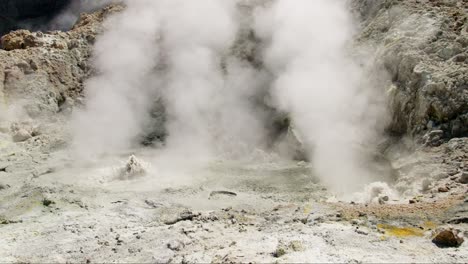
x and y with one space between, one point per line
271 177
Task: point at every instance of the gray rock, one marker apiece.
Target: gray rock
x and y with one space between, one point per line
449 51
132 169
185 215
218 194
423 56
433 138
175 245
21 135
463 177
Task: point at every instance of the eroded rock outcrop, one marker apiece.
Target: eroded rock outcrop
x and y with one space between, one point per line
42 71
424 47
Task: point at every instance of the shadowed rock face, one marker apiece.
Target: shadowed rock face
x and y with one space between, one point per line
14 13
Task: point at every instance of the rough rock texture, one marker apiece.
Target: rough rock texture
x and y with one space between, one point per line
448 238
269 211
424 47
45 70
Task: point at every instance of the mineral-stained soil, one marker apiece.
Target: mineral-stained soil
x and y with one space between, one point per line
54 209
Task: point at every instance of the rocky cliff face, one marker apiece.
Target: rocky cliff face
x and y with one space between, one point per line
424 48
46 71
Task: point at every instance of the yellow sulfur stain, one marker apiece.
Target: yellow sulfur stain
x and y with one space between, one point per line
401 231
307 209
429 225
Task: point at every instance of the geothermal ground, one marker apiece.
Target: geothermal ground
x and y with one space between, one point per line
93 171
228 212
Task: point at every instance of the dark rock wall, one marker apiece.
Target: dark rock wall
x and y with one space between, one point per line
15 14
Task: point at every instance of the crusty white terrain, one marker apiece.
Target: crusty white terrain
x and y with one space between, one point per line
141 205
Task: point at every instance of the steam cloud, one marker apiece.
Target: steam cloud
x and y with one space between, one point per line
118 97
321 86
181 50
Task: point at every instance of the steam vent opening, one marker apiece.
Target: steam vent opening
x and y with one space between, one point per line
232 131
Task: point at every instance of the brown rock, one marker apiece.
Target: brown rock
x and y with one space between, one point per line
448 238
443 189
20 39
463 177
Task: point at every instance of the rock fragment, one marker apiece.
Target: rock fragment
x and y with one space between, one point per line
463 177
132 169
20 39
47 202
448 238
433 138
175 245
443 189
185 215
217 194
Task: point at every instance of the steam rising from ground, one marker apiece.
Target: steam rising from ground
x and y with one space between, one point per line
118 96
180 50
319 84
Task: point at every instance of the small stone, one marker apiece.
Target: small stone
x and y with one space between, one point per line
47 202
383 200
21 135
449 51
412 201
459 58
448 238
280 251
433 138
463 177
361 232
443 189
296 245
216 194
132 169
175 245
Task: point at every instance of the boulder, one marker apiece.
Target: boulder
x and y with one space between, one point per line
448 238
463 177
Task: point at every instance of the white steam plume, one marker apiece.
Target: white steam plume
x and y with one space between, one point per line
320 85
118 96
205 90
196 34
208 107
